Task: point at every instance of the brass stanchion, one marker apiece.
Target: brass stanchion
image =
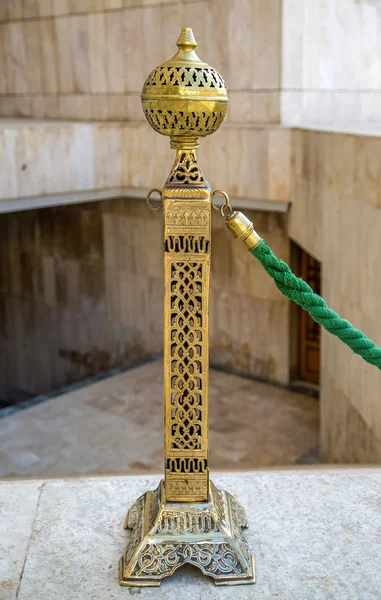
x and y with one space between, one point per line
186 519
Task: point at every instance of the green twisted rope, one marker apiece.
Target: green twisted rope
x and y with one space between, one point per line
299 291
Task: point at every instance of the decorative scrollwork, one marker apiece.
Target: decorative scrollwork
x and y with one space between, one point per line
187 217
186 344
187 265
220 506
205 534
186 170
190 192
135 523
212 559
154 506
173 523
239 520
189 488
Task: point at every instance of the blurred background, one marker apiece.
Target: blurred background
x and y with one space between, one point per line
81 256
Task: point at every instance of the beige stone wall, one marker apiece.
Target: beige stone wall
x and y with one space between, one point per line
331 68
249 318
55 158
336 216
81 291
288 61
65 270
88 59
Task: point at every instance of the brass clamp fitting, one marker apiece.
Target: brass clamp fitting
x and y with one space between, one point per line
238 224
242 229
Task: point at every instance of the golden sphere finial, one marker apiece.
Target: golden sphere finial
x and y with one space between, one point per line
185 97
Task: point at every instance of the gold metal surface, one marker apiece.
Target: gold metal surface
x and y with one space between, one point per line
148 200
186 198
167 535
184 97
186 520
243 229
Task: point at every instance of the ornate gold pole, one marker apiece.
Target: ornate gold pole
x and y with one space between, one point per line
186 519
186 201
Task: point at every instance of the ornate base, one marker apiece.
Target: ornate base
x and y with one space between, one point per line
167 535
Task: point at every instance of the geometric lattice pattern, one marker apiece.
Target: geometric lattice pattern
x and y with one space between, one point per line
186 348
186 465
186 296
177 121
189 77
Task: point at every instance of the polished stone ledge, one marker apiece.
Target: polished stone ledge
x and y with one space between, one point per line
48 159
30 203
315 534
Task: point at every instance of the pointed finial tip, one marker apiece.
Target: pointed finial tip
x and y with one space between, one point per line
186 39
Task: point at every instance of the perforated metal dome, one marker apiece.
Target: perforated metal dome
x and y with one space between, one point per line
185 96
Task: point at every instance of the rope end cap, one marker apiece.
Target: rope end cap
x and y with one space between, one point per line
243 229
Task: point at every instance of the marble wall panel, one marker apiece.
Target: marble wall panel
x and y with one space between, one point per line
345 437
92 47
46 158
330 67
253 106
49 67
336 217
297 62
81 291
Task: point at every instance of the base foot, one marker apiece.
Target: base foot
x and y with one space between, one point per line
167 535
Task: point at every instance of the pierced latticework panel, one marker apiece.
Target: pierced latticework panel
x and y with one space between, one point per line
187 265
186 465
186 243
186 344
186 171
188 77
177 121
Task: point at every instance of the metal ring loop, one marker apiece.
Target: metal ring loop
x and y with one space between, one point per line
148 197
226 205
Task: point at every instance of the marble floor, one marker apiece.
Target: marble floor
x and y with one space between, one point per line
115 426
315 535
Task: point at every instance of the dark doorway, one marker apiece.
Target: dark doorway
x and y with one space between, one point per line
309 330
306 332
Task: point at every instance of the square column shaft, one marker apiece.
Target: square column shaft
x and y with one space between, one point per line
186 297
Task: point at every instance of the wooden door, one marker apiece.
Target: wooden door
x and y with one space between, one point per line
309 330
